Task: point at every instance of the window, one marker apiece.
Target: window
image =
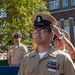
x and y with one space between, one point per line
59 25
74 30
66 23
65 3
74 21
73 2
54 5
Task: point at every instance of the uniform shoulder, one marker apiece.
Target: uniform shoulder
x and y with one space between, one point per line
22 45
54 52
62 54
27 56
32 53
11 47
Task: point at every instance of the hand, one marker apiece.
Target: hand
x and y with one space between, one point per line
55 30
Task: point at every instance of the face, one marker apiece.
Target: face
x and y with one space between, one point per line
16 40
41 36
59 44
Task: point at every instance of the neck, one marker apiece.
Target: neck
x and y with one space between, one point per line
17 44
43 48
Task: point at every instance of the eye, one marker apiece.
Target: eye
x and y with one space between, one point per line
34 31
42 31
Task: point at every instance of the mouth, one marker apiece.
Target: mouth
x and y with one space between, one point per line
58 43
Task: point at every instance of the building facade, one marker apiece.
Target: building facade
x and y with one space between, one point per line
64 12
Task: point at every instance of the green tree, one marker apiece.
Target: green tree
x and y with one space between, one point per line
18 18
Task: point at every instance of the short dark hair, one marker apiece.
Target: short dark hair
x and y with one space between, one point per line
55 36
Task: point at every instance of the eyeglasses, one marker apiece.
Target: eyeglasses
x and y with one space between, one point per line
41 31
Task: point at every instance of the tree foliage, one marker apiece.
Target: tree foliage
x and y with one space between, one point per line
18 18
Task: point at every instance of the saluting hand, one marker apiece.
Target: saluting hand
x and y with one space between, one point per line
55 30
